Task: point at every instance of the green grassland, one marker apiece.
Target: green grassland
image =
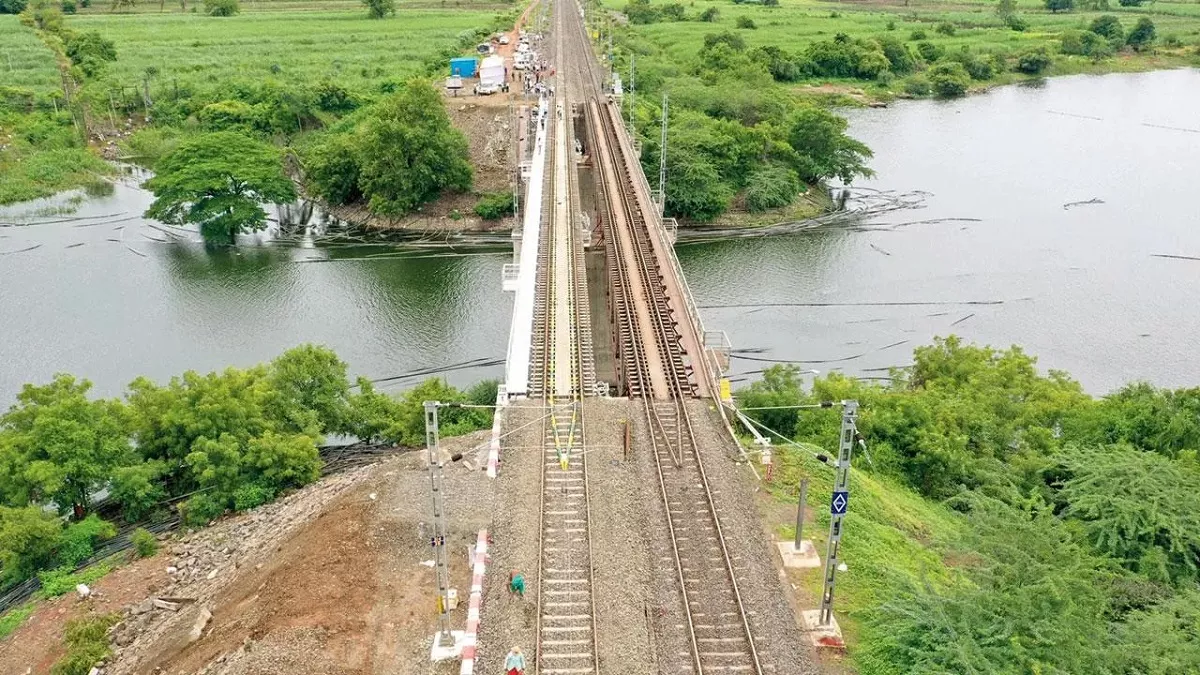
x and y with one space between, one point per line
25 63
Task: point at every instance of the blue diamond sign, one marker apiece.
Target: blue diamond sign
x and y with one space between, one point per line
837 505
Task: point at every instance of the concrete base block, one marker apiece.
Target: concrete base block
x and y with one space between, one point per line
806 557
822 636
445 649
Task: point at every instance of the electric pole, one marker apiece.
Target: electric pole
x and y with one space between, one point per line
632 88
838 504
438 539
662 162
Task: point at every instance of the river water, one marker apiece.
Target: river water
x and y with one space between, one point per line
110 298
1079 285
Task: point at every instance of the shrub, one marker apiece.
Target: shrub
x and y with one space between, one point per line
62 580
79 539
90 51
1108 26
1056 6
978 68
12 6
674 11
201 509
144 543
1131 3
891 25
771 187
378 9
69 7
710 15
495 206
900 60
252 495
1017 23
949 79
221 7
946 28
918 85
929 52
1083 43
746 22
917 35
1033 62
87 644
1142 34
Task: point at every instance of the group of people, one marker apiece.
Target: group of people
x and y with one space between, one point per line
514 663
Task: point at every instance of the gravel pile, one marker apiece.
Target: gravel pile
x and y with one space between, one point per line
204 562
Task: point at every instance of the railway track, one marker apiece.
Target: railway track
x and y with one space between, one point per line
566 634
654 369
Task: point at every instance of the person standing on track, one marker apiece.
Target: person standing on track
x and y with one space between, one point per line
515 663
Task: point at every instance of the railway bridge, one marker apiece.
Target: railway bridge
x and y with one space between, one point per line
647 556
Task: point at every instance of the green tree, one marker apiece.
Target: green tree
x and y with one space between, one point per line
372 414
332 169
409 152
1108 26
221 7
29 538
900 60
821 149
168 421
90 51
57 446
310 389
771 187
219 182
12 6
1056 6
1137 507
138 488
1142 34
1006 9
694 188
378 9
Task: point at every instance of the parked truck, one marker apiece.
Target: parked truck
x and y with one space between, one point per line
491 76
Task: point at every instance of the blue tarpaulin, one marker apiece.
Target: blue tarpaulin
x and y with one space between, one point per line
464 66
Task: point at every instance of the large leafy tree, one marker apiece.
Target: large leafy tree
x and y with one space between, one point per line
820 148
58 446
219 181
409 153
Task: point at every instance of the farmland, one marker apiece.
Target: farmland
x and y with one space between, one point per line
171 62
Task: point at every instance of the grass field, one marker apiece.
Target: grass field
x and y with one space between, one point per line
797 23
25 63
286 45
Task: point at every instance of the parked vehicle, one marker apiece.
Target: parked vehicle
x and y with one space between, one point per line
491 76
522 60
464 66
504 39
